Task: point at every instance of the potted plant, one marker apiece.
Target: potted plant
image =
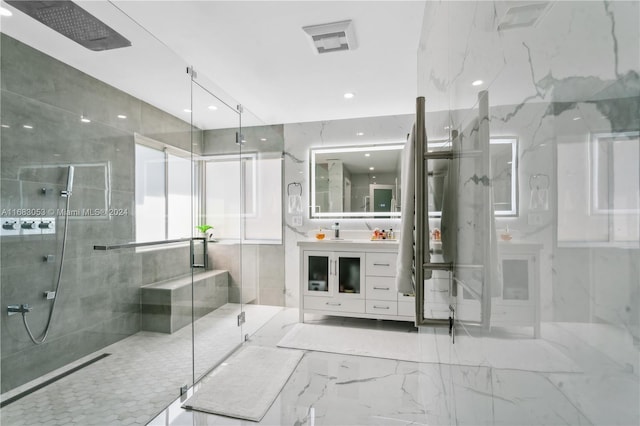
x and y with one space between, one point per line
207 230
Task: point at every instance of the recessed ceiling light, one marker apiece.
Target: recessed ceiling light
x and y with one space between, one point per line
263 139
27 126
576 118
477 83
349 95
84 119
367 155
6 126
5 12
359 134
372 168
447 127
212 107
373 177
122 116
186 110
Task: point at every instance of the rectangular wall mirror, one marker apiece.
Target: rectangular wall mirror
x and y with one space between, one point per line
365 181
356 181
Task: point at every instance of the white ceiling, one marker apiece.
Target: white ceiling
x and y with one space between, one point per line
252 53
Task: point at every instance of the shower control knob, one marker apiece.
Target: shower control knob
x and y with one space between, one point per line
10 225
29 225
46 225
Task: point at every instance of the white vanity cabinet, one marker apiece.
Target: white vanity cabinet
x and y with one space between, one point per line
352 278
517 300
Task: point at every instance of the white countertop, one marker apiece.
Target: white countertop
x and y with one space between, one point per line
352 244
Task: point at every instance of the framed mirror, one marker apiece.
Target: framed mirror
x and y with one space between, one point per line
356 181
504 170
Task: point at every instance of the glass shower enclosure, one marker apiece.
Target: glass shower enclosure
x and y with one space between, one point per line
106 257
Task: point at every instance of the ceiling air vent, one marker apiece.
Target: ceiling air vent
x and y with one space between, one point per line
73 22
526 15
332 37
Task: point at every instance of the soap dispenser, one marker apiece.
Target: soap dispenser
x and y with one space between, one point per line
336 229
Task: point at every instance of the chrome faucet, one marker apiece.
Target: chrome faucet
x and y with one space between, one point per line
18 309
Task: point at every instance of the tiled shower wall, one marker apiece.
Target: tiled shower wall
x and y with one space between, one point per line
99 294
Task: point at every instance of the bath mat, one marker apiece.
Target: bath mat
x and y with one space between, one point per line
248 383
433 346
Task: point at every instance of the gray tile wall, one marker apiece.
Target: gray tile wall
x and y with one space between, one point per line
262 273
99 296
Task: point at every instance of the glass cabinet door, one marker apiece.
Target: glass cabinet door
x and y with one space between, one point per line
515 279
350 274
317 273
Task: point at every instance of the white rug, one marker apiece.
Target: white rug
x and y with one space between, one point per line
247 384
431 347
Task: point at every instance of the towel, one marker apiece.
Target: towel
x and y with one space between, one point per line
404 272
295 204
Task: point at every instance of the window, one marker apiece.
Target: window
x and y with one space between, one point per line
162 192
243 198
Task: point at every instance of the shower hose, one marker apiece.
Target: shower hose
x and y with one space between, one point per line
45 333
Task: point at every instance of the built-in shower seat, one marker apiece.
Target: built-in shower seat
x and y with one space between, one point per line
166 305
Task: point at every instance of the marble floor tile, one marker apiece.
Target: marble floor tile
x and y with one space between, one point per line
336 389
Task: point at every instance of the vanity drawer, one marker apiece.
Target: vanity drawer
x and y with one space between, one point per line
381 288
436 293
407 309
382 307
381 264
437 311
523 314
332 304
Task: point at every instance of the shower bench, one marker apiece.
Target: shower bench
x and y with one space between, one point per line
166 305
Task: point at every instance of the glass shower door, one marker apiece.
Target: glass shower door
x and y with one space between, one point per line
217 251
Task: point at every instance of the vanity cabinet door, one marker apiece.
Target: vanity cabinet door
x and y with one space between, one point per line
516 279
349 274
318 273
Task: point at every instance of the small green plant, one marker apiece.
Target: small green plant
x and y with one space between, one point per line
204 228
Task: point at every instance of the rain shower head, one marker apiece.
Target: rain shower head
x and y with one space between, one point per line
73 22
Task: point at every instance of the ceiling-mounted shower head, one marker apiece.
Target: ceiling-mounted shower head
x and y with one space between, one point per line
73 22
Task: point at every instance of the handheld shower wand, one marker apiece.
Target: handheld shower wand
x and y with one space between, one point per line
69 190
24 309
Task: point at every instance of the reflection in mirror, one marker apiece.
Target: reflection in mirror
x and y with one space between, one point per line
504 158
356 181
614 177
